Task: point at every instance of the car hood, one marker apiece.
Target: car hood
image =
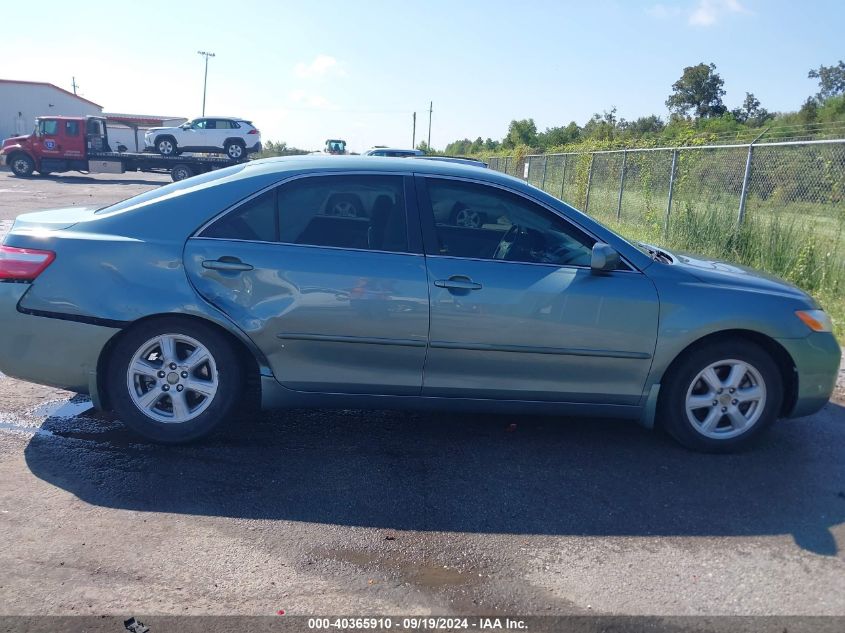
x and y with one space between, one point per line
14 140
159 129
722 273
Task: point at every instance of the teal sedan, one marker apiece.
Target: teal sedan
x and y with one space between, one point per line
335 282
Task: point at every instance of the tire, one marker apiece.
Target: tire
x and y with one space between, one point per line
739 389
344 205
166 146
141 385
466 217
181 172
236 150
21 165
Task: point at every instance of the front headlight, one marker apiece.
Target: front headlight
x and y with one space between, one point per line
816 320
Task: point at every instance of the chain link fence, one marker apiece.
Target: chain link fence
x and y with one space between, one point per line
799 181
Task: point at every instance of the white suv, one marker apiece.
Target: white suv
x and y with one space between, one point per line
232 136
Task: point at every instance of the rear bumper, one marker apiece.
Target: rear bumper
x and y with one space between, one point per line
48 351
817 358
255 148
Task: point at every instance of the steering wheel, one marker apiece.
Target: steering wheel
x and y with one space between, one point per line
514 240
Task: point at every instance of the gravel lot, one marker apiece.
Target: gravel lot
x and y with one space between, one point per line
329 512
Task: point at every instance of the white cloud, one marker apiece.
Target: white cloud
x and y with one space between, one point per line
708 12
315 101
662 12
320 66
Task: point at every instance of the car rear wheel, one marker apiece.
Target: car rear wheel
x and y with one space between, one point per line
235 150
174 380
721 397
181 172
21 165
166 146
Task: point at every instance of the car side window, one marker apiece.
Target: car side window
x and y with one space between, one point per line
362 212
223 124
254 220
72 128
484 222
200 124
366 212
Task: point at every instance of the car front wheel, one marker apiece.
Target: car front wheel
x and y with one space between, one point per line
21 165
719 398
174 380
166 146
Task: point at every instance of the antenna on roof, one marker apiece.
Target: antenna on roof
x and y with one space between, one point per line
75 85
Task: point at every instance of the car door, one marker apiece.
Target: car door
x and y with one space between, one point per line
50 138
194 136
336 303
517 313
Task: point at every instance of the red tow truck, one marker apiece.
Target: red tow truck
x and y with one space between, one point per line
80 143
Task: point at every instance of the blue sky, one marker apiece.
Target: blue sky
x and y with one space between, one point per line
308 70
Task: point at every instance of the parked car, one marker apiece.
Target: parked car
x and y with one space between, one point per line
164 307
393 152
228 135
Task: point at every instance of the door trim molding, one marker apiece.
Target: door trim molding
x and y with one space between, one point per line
531 349
366 340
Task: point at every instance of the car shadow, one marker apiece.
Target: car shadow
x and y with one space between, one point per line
463 473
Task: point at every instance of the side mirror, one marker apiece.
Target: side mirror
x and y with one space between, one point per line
604 258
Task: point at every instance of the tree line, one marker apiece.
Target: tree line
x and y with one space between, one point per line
697 112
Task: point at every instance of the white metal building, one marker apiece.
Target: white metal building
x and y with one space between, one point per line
22 101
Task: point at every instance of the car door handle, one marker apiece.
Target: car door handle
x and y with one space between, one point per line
458 282
229 264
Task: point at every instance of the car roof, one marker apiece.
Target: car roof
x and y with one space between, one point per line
324 162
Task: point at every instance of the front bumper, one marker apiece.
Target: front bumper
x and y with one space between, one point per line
48 351
817 358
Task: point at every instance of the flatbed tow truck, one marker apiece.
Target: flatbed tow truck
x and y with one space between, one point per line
80 143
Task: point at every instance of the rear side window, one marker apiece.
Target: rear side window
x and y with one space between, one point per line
361 212
254 220
223 124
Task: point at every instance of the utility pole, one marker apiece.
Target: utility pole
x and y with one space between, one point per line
414 132
75 85
205 79
430 109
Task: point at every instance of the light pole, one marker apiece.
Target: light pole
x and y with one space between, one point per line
205 79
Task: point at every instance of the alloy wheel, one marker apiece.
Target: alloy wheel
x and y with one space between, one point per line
172 378
468 218
725 399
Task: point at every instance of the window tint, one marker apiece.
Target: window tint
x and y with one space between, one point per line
483 222
366 212
223 124
72 128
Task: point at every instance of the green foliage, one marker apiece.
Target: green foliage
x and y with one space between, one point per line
831 80
270 148
699 89
751 112
522 132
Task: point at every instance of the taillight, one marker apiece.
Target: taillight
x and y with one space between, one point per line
253 131
23 264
